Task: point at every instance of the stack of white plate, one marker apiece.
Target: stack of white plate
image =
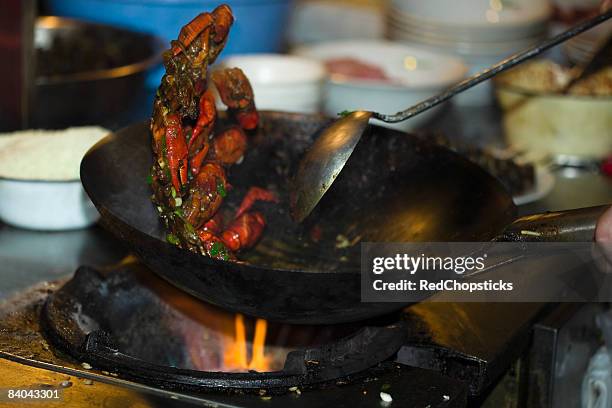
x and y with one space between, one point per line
482 32
581 48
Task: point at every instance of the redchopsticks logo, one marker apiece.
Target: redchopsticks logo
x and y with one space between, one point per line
413 264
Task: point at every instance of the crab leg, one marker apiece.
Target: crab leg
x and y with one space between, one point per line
205 122
244 231
253 195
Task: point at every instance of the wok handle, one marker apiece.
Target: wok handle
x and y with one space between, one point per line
571 225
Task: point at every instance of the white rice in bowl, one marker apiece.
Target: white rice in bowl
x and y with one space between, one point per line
53 155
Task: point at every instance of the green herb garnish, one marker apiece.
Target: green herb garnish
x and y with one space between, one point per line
221 188
164 147
173 192
179 212
344 113
173 239
215 248
189 228
149 179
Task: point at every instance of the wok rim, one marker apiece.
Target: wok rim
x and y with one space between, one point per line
243 265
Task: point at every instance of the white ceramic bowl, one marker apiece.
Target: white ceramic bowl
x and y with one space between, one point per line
282 82
414 74
45 205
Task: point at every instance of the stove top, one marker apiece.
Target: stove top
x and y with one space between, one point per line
446 353
34 359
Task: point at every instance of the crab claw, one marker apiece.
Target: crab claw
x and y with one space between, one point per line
190 32
205 122
237 94
223 21
196 161
176 147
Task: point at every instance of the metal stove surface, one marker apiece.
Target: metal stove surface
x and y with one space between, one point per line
474 372
453 351
28 360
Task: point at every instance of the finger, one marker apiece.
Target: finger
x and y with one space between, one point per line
603 231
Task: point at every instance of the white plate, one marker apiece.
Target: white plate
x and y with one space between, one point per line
494 32
480 13
544 183
464 48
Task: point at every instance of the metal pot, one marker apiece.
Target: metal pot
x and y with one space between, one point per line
97 96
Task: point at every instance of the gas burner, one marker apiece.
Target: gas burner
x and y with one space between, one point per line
130 322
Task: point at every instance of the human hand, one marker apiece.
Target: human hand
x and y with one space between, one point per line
603 231
603 234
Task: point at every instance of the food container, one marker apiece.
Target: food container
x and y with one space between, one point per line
96 95
566 127
40 188
283 82
413 75
45 205
259 26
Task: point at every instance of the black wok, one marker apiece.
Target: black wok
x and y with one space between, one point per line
395 187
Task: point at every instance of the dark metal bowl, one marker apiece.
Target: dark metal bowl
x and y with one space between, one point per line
99 96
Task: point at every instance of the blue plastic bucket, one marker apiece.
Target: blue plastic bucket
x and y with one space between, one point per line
259 27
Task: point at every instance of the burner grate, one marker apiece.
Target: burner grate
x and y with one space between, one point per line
97 315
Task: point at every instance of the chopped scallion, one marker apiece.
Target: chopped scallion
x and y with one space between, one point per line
221 188
173 239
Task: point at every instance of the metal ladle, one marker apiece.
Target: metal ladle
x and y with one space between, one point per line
329 153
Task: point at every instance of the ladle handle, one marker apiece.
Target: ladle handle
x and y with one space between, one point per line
571 225
488 73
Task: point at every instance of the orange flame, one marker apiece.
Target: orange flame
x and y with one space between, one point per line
235 355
